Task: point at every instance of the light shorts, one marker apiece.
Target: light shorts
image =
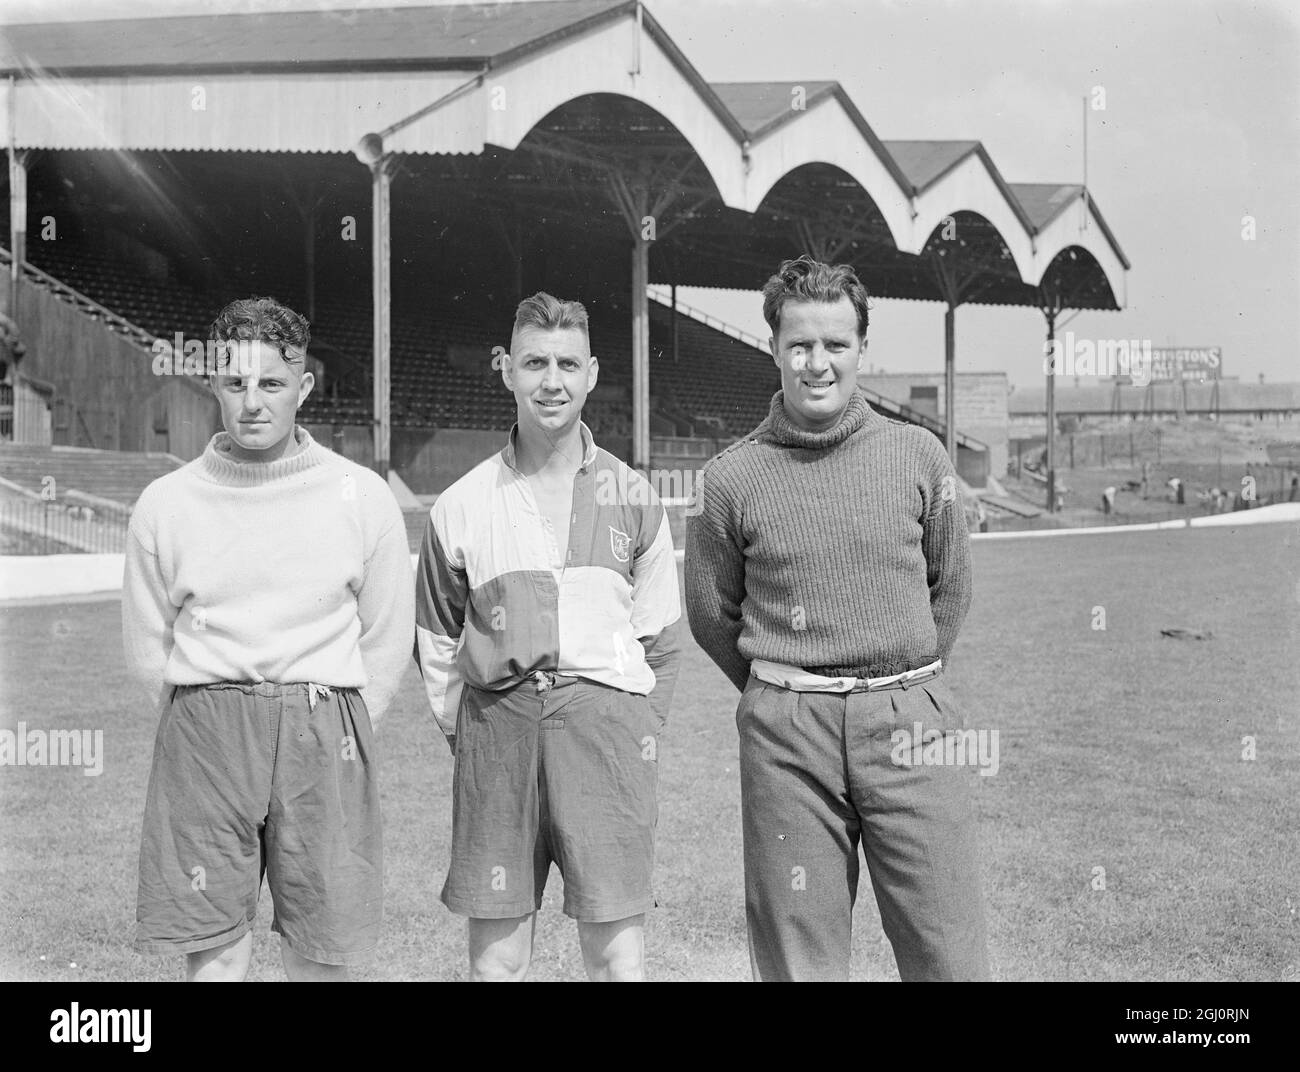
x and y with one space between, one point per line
252 779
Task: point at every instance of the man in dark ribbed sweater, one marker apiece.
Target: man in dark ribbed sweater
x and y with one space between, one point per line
827 574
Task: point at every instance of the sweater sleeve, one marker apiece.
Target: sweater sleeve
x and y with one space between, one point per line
441 593
663 656
148 616
386 607
715 579
945 543
655 612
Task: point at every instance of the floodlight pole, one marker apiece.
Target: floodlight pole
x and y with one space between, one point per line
1084 225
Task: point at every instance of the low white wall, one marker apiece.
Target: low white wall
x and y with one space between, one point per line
1262 516
36 576
53 576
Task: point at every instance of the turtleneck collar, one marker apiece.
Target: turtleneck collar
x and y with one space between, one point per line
857 414
220 466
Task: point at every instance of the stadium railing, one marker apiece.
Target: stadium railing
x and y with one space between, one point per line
29 527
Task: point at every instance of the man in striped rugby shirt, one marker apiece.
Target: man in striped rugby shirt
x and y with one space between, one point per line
546 602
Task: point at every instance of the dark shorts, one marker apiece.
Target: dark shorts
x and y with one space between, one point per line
250 780
565 776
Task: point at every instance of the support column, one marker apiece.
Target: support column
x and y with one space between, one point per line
381 173
518 251
17 221
950 383
309 250
640 356
674 306
1051 410
952 289
370 151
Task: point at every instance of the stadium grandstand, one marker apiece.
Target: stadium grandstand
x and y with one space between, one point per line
404 176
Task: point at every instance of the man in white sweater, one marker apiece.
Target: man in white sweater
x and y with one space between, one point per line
267 608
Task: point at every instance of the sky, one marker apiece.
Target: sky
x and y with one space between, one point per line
1201 128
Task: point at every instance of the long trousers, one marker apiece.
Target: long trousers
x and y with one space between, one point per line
821 774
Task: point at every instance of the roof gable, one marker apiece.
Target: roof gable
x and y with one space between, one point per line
925 162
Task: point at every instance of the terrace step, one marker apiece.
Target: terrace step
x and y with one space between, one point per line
109 474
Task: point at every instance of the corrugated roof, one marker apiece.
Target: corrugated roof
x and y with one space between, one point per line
759 105
1069 399
467 36
1243 396
934 159
1044 201
445 40
924 162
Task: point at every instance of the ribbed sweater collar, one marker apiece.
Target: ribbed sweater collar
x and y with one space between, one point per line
857 414
217 465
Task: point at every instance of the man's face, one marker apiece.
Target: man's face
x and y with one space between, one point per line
259 397
550 373
820 353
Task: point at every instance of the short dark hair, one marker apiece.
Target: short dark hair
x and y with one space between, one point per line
805 279
267 320
550 313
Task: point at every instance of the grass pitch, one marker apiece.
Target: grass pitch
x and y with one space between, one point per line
1119 750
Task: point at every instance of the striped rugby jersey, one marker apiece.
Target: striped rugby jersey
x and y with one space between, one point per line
494 604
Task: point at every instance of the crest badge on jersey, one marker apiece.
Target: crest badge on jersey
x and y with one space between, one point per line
620 543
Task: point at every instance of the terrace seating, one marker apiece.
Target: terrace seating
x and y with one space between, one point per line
716 375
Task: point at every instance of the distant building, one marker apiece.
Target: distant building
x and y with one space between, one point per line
1227 399
981 404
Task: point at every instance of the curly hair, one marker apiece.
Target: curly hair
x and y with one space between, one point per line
805 279
267 320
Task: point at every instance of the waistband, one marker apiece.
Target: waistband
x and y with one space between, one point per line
546 680
539 682
797 679
313 690
267 688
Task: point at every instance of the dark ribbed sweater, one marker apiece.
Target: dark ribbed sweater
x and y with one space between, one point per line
844 552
